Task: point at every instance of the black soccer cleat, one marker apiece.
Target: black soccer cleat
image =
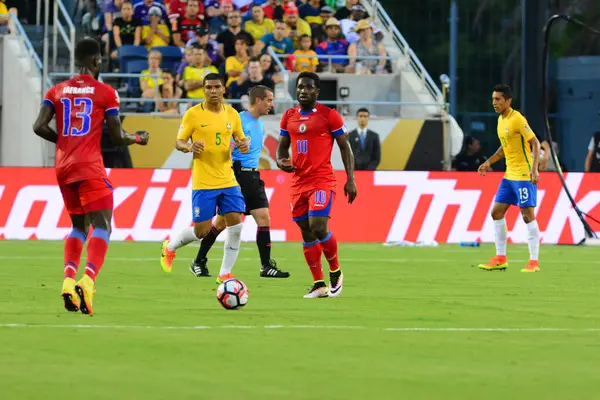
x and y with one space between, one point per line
271 271
199 269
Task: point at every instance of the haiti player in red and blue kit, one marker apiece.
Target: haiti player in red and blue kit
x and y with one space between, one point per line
311 130
81 104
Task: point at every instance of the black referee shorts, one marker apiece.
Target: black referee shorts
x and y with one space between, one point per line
253 188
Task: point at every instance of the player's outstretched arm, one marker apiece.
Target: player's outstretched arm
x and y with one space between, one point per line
498 155
284 161
121 138
41 127
348 159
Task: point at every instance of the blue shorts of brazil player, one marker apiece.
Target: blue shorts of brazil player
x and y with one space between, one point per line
206 201
517 193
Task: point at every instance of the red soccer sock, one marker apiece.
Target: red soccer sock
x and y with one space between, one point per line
312 254
96 251
330 249
72 253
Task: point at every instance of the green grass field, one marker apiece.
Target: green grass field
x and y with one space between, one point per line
412 323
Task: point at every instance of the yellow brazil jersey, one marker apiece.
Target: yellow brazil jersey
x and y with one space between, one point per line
152 81
305 64
514 134
212 168
233 64
302 28
191 73
157 41
259 30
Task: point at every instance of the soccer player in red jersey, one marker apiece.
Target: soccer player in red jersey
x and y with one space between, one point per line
310 130
81 104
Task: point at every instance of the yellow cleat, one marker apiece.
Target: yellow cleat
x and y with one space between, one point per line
223 278
497 263
532 266
85 291
69 296
166 257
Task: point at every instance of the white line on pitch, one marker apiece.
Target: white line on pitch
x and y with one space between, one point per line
365 260
298 327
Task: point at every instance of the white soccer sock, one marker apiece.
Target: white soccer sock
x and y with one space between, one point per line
500 236
184 237
533 239
231 248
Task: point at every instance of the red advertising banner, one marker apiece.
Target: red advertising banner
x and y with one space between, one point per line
446 207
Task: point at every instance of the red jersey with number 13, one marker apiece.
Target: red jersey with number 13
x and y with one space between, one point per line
80 105
312 135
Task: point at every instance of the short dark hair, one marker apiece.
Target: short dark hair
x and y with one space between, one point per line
213 77
196 45
254 59
309 75
127 1
259 92
169 71
242 38
363 109
504 89
85 49
279 21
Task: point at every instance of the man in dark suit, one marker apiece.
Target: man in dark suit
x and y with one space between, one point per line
365 144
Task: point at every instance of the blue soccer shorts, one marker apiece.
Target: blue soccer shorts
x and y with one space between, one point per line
206 201
517 193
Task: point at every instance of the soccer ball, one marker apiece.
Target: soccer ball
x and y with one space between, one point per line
232 294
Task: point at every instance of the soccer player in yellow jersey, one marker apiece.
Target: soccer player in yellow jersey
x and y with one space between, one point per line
210 126
521 149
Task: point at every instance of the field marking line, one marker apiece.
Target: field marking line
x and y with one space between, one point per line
365 260
298 327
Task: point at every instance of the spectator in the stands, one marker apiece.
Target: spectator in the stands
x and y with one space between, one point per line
22 12
188 59
366 46
149 84
177 8
156 33
270 69
274 9
349 25
470 157
277 40
214 8
112 11
227 38
4 17
296 26
333 46
318 31
166 90
92 20
210 46
302 62
242 86
219 22
193 75
235 65
185 26
344 12
311 12
141 10
124 29
259 26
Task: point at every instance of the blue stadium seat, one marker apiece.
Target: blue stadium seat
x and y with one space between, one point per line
135 67
170 55
129 53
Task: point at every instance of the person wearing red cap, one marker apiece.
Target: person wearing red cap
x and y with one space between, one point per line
273 9
296 26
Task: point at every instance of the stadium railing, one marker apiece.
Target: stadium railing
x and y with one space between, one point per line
330 57
19 32
376 10
68 39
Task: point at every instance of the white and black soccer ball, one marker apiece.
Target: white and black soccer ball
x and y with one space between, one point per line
232 294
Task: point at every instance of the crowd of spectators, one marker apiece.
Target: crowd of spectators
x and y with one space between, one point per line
230 37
